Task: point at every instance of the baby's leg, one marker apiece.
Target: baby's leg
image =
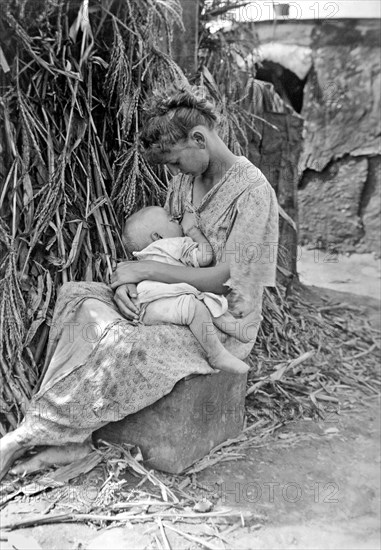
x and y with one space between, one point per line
244 329
200 322
188 310
162 311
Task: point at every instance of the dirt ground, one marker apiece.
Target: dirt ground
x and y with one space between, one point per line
357 274
312 485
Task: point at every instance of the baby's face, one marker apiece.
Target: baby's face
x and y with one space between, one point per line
166 226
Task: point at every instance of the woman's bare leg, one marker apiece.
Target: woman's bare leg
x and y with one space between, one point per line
11 448
53 456
90 311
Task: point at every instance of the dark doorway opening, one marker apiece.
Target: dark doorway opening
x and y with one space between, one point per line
285 82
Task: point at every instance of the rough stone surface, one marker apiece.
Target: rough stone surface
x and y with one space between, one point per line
185 425
342 94
287 32
371 209
329 204
342 111
341 107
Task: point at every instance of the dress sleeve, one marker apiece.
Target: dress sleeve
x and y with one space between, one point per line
252 246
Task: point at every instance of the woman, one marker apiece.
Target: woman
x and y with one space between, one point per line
102 366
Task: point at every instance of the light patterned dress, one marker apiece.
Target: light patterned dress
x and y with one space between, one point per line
103 368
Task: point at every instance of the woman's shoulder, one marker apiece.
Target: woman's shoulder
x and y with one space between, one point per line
258 194
252 175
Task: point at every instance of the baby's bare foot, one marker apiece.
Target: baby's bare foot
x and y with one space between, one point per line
223 360
244 329
248 328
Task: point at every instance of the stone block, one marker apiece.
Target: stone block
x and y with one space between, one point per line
201 412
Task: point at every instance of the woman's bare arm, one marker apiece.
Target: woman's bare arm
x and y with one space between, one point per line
205 279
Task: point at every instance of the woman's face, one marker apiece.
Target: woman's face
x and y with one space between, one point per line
186 157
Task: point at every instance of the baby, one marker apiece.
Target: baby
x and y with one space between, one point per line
151 234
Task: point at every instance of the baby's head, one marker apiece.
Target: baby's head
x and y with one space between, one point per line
148 225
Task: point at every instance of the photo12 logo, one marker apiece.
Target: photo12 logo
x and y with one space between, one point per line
282 11
271 491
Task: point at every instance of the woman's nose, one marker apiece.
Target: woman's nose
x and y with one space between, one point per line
174 170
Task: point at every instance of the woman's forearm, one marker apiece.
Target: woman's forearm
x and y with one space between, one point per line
205 279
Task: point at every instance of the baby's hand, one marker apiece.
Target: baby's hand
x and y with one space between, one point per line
189 220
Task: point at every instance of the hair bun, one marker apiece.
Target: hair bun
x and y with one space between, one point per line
177 98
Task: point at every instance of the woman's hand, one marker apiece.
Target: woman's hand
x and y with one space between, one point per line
124 280
131 272
126 298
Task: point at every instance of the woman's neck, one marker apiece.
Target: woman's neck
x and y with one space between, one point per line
218 166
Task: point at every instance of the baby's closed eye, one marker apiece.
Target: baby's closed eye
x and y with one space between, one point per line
176 219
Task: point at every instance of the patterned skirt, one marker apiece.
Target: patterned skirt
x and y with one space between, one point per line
102 367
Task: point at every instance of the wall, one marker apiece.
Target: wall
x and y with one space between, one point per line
339 196
339 184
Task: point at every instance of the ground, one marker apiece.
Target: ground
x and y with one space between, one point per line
311 485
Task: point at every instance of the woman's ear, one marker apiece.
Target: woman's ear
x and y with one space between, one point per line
156 236
199 138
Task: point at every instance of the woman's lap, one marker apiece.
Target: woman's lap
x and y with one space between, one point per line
105 368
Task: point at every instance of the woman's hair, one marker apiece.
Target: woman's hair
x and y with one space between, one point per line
170 116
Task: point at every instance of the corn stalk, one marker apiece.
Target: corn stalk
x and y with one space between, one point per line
73 78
